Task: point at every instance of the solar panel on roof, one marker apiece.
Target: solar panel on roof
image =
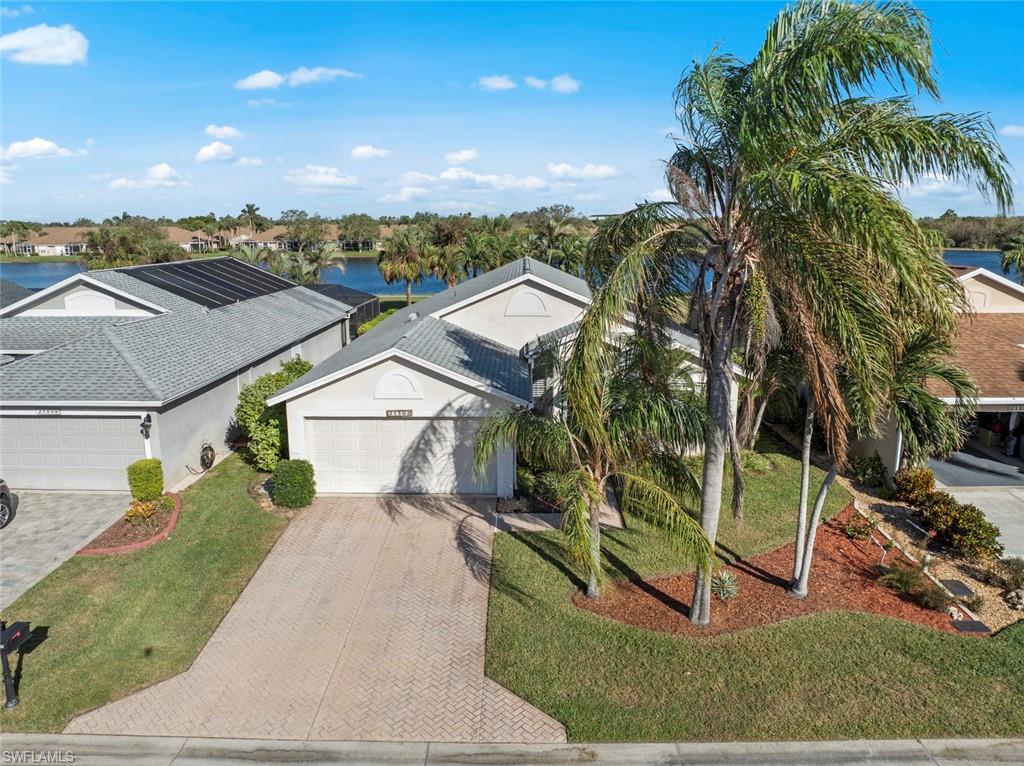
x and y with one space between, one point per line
212 283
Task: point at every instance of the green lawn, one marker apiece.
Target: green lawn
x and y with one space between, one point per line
118 623
832 675
397 301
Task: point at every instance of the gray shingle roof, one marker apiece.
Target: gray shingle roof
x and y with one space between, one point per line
164 357
35 333
442 343
12 292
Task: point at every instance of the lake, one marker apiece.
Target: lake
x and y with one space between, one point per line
362 273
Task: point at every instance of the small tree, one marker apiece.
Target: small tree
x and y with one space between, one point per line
265 426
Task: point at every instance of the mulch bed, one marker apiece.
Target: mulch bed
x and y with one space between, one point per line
124 534
843 578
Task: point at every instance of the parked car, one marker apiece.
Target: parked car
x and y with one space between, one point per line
6 505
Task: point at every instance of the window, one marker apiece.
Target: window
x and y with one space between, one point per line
90 303
398 385
527 303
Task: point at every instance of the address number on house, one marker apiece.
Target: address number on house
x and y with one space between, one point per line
48 412
398 413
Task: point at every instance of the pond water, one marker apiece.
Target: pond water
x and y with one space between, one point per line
362 273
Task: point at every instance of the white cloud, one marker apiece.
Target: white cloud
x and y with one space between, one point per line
5 174
223 131
935 185
407 194
589 172
659 195
536 82
564 83
461 156
260 102
215 151
268 78
496 82
414 177
43 44
1012 131
249 162
368 152
8 12
265 78
305 75
319 177
35 147
590 197
160 175
504 182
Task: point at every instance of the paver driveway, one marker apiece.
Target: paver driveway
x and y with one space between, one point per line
366 622
46 531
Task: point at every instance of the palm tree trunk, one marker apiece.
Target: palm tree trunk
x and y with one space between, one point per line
737 473
755 431
593 586
719 387
800 589
805 480
408 293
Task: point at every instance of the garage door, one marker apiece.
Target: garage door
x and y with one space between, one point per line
379 455
68 453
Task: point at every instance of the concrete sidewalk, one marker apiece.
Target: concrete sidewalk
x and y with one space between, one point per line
105 750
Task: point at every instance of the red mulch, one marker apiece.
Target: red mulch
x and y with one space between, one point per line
122 532
843 577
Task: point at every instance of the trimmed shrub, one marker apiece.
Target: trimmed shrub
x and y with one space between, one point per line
914 484
961 526
268 439
869 470
294 485
146 479
141 512
265 426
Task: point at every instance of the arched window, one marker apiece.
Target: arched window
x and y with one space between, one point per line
398 385
527 303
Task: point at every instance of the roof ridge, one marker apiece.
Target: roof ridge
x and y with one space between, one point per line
130 360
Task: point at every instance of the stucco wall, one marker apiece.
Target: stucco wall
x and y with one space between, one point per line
490 316
888 444
208 416
58 302
360 395
989 296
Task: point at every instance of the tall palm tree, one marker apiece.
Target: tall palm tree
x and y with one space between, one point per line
478 252
447 263
650 417
1013 258
251 217
402 259
786 165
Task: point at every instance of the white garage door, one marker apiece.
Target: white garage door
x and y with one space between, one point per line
401 455
67 452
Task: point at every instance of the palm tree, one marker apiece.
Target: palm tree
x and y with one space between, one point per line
251 217
650 417
1013 258
478 252
447 263
402 261
785 165
929 425
552 232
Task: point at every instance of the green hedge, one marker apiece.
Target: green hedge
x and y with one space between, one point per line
294 485
146 479
367 326
265 426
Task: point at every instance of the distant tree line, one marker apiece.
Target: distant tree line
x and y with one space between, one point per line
980 232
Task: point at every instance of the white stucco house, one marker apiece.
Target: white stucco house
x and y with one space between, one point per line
398 409
110 366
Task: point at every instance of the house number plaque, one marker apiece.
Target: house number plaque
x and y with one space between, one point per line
398 413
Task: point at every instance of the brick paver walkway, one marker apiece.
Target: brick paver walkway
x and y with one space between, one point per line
365 622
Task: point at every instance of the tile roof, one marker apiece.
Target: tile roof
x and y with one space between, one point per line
991 348
415 331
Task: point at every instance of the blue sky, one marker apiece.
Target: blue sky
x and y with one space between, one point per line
382 107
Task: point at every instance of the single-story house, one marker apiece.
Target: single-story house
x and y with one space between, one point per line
989 346
51 240
398 409
146 361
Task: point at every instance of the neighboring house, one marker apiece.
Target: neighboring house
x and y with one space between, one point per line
145 361
989 346
52 240
399 408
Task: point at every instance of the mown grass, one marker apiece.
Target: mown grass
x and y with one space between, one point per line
114 624
826 676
